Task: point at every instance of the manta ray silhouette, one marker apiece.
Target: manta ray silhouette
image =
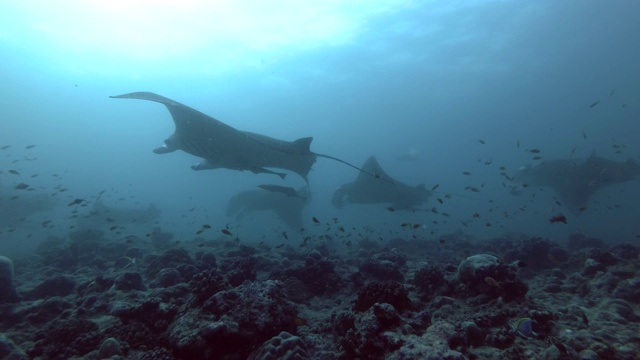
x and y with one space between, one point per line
222 146
286 202
575 182
368 190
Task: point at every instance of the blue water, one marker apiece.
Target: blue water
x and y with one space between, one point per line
430 79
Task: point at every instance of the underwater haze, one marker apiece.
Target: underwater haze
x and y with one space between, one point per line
457 95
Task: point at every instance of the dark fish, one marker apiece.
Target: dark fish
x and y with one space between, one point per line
5 147
14 172
558 218
226 232
471 188
284 233
279 246
583 208
315 220
21 186
435 187
206 226
199 232
415 226
391 209
466 173
76 202
534 151
536 158
30 146
481 141
113 228
594 103
440 201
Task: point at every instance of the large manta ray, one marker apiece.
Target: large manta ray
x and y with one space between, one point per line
222 146
370 190
575 182
285 202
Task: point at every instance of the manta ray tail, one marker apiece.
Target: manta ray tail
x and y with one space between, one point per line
377 176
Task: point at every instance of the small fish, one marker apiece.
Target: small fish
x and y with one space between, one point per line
553 259
523 327
440 200
558 218
284 233
14 172
534 151
113 228
315 220
481 141
471 188
594 103
391 209
206 226
584 135
76 202
536 158
491 281
30 146
226 232
279 246
435 187
583 208
466 173
5 147
21 186
415 226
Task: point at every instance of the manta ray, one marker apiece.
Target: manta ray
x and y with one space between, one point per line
286 202
575 182
222 146
370 190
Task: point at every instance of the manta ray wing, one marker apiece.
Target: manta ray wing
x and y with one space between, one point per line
223 146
